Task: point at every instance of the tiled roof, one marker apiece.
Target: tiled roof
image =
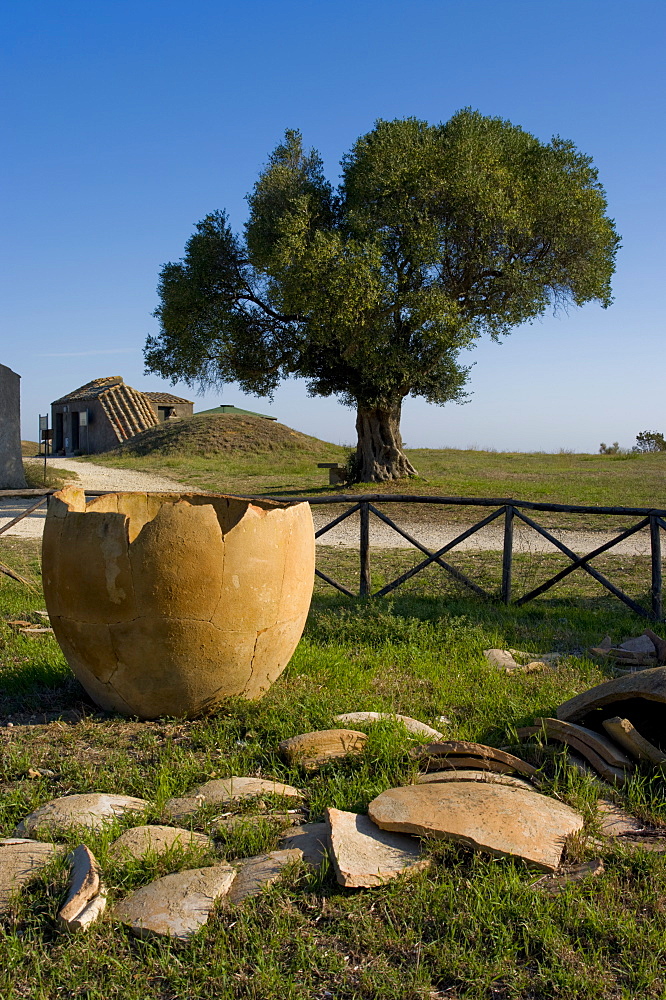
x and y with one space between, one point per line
128 410
91 390
165 397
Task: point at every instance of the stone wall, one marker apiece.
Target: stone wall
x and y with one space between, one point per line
11 464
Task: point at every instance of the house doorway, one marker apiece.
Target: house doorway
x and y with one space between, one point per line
76 442
59 442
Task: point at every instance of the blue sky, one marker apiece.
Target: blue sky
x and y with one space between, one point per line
126 122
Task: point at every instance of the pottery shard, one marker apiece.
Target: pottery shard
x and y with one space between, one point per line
411 725
20 861
91 811
615 822
444 754
490 817
473 775
579 737
364 856
177 905
645 842
501 658
640 644
584 768
659 644
312 749
557 882
255 873
458 765
505 659
640 651
226 791
588 743
142 840
649 684
311 839
624 733
86 900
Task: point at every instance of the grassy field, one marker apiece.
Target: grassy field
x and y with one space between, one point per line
216 453
470 927
35 475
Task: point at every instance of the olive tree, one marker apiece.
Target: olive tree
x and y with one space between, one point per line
435 236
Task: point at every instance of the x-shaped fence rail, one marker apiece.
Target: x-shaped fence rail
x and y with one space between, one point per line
653 518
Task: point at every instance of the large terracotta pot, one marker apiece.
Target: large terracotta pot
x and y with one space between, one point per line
167 603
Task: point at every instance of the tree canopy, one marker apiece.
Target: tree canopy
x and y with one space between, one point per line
435 236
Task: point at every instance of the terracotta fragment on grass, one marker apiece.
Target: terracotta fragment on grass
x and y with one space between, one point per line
254 874
494 777
21 860
649 685
509 660
452 753
557 882
411 725
310 838
139 841
227 791
588 744
364 855
90 810
491 817
86 899
615 821
177 905
646 650
579 737
627 736
311 750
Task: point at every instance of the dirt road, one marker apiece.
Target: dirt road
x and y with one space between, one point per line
433 534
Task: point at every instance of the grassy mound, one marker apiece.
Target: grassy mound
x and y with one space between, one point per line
54 479
218 434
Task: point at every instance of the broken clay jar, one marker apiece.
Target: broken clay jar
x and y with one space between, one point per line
167 603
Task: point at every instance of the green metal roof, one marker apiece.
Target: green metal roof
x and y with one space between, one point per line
226 408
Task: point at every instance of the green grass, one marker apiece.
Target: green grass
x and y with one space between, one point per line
215 451
632 574
471 927
50 479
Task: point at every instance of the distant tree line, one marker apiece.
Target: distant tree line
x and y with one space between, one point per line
646 441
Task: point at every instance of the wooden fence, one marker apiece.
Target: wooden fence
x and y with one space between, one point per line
509 510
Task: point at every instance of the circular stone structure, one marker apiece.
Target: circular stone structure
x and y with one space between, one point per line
168 603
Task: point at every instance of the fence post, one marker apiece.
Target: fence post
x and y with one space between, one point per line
507 555
365 583
655 547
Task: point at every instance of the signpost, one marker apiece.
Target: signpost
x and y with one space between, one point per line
45 435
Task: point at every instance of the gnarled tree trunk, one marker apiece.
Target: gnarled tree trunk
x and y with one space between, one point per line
379 449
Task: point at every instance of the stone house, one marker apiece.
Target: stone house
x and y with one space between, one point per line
105 412
11 463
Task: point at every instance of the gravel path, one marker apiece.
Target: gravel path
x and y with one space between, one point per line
344 535
91 477
488 539
99 477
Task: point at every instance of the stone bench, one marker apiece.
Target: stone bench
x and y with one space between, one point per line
337 474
